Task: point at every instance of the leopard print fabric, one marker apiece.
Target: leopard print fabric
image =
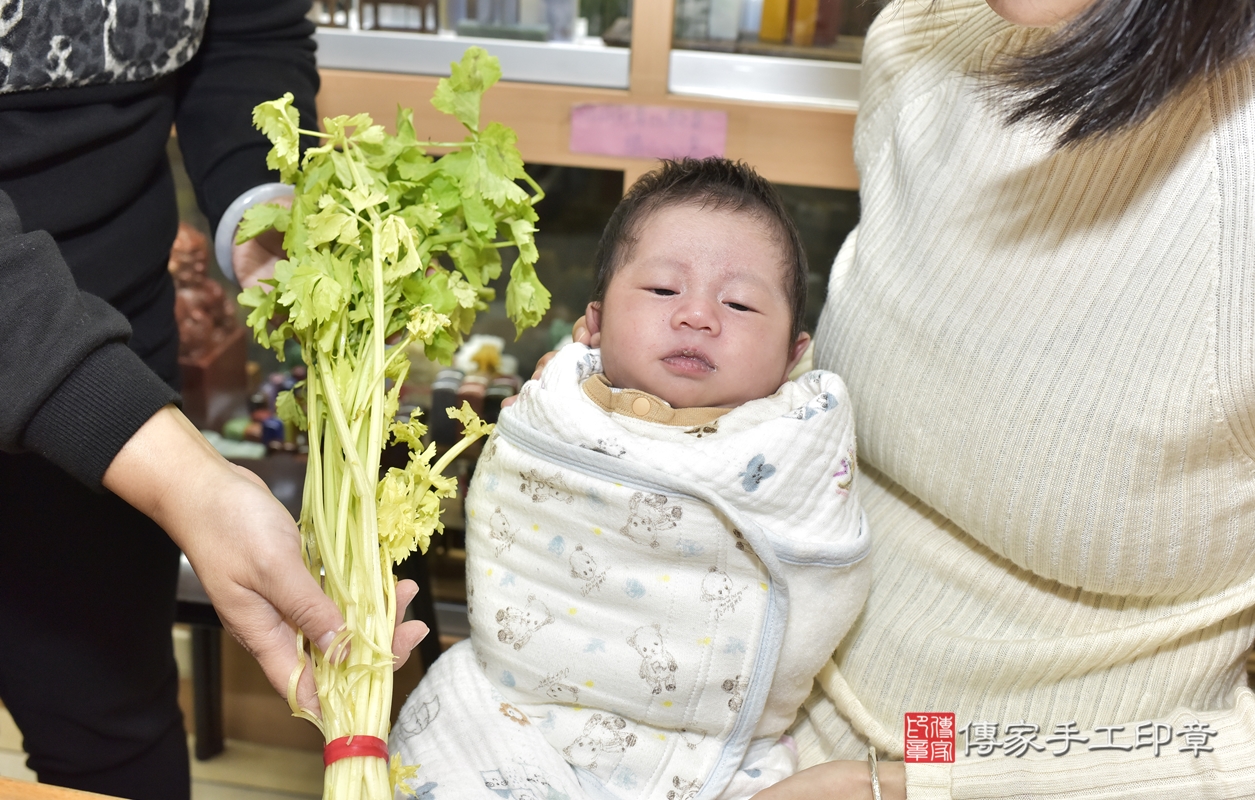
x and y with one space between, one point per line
46 44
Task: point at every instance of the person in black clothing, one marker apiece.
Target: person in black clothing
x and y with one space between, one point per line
88 373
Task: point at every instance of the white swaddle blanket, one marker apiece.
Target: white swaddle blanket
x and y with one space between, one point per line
651 592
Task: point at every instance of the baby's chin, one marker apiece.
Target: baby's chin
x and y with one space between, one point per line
683 399
705 391
680 393
680 401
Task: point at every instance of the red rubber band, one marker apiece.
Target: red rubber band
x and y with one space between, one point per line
350 746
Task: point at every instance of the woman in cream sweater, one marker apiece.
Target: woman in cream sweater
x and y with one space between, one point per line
1048 331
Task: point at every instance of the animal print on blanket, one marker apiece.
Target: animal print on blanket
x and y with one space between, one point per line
630 587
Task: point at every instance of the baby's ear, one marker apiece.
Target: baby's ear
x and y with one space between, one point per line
797 350
592 322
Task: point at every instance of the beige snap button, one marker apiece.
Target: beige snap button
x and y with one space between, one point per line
640 406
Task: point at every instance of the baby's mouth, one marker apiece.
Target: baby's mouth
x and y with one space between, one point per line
688 360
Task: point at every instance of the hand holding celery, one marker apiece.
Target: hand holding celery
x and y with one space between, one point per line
383 242
240 539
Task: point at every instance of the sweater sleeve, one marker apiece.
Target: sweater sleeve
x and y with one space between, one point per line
1222 766
70 388
253 51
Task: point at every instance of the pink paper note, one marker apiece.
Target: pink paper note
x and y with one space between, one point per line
647 131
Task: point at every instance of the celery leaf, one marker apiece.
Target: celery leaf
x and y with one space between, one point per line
261 218
460 93
279 121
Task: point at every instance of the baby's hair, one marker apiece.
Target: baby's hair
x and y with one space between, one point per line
709 183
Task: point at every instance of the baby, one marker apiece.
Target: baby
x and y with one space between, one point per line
664 546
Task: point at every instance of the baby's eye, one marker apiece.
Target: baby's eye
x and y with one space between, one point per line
737 306
658 290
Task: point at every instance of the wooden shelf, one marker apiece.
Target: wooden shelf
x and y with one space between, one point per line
800 145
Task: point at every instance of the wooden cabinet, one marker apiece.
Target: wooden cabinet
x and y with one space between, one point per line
789 143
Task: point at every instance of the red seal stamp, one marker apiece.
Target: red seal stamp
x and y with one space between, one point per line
928 737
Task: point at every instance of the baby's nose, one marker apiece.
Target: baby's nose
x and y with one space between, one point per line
698 313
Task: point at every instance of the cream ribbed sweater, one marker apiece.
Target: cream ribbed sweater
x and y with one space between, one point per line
1052 361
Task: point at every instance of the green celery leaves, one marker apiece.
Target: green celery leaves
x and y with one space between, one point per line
365 194
460 93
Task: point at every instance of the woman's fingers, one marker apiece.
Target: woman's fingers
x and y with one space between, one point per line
579 330
406 635
255 259
407 590
848 780
256 622
241 541
259 583
405 639
579 333
542 363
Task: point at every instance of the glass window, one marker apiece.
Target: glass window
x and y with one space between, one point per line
520 20
829 30
536 41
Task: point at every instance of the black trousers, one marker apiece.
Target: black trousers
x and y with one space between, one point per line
87 588
87 584
87 598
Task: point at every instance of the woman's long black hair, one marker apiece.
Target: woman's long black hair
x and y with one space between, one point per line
1119 60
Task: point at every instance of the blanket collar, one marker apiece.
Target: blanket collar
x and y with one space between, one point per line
645 406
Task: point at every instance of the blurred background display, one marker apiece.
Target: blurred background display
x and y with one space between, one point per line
577 205
527 20
817 29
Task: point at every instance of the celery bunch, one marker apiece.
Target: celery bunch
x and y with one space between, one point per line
386 247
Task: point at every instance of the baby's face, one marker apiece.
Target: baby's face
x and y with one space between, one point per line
698 315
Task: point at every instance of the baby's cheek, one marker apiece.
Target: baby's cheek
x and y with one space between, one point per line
610 366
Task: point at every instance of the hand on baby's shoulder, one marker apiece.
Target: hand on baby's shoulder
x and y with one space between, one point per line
580 334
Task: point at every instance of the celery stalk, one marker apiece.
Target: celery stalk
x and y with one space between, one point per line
385 244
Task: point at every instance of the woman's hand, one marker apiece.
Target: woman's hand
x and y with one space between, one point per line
243 544
840 780
582 333
579 333
255 259
406 635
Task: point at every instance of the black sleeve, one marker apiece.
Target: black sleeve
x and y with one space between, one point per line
70 388
253 51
